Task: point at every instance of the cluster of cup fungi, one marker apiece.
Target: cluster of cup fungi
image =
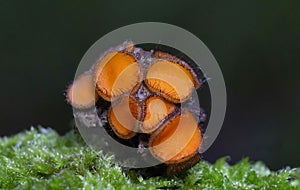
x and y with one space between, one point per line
145 91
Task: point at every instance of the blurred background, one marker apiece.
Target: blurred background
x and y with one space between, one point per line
256 44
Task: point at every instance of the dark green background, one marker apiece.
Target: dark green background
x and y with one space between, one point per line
255 42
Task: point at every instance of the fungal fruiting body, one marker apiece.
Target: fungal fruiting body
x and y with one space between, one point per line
81 94
123 117
112 71
178 140
156 109
172 78
145 96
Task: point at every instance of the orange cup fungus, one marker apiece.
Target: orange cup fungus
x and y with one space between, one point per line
81 94
123 117
171 77
115 74
156 109
174 134
176 141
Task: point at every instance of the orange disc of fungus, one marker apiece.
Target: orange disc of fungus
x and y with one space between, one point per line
170 80
156 109
177 141
165 56
82 94
122 117
115 74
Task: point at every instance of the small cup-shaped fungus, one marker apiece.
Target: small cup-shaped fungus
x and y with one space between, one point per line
81 93
115 74
178 140
156 109
123 116
171 78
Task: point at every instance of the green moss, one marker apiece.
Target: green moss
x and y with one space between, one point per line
44 160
